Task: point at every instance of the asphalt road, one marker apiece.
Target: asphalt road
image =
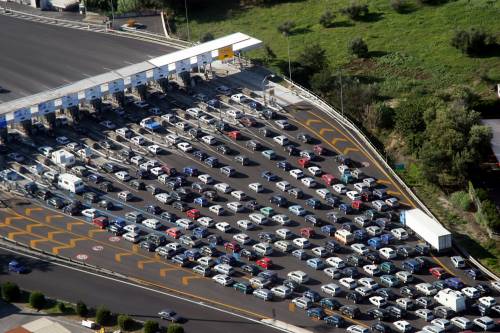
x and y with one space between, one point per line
37 57
61 282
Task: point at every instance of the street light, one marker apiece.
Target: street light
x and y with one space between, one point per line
112 14
263 85
187 20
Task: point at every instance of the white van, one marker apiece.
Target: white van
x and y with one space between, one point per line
331 289
298 276
224 269
236 114
257 187
399 233
206 261
194 112
263 249
69 182
379 205
283 185
131 237
138 140
344 236
185 224
152 223
258 218
172 138
281 140
124 132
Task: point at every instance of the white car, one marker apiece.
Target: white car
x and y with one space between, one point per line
426 289
340 188
323 193
487 301
387 253
332 272
108 124
217 209
369 283
242 238
282 291
206 221
425 314
496 285
373 230
206 178
331 289
162 197
302 302
402 326
378 301
122 175
223 226
256 187
90 212
348 282
281 140
302 243
458 261
471 292
235 206
315 171
185 147
283 185
258 218
240 195
308 182
245 224
353 195
223 187
360 248
282 219
392 202
485 323
336 262
462 322
371 270
442 323
296 173
284 233
62 140
208 139
155 149
223 279
319 251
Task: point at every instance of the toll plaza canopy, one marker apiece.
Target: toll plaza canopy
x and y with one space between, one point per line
88 89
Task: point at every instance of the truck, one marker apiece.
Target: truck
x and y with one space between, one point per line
69 182
426 228
63 158
451 299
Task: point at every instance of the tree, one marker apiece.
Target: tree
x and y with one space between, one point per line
326 19
473 41
355 10
81 309
125 322
269 54
358 47
37 300
286 28
61 307
102 316
10 291
208 36
151 326
175 328
323 82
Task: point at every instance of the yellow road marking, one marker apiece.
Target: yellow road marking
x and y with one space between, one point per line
9 219
72 244
185 279
135 248
12 235
312 121
334 141
440 263
93 231
384 181
140 263
29 228
163 271
349 149
51 234
49 218
70 225
324 130
34 242
330 312
28 211
118 256
395 193
291 307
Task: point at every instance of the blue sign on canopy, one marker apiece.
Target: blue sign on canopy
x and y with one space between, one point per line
3 121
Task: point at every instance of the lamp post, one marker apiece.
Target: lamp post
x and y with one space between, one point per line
187 20
112 14
263 87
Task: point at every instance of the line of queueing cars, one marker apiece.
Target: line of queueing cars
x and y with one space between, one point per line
369 239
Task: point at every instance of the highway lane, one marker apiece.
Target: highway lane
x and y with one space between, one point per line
72 285
36 56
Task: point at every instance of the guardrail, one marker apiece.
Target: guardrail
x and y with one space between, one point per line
150 34
347 124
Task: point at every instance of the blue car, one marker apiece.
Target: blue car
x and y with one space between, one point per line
345 208
454 283
190 171
284 165
375 243
16 267
315 263
328 230
313 203
226 259
312 295
120 222
200 232
201 201
269 176
212 162
334 320
316 313
192 254
360 234
297 210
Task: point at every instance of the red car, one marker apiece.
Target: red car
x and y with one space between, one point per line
438 272
101 221
366 196
265 263
232 246
193 213
328 179
304 162
235 135
356 204
307 232
174 233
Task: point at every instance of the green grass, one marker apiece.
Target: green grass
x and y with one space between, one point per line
409 51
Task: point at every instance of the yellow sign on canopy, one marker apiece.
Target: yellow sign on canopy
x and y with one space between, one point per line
226 53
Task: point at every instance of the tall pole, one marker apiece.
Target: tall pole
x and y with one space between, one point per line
289 62
112 14
341 95
263 87
187 21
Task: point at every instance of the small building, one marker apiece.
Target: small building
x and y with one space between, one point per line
42 325
63 158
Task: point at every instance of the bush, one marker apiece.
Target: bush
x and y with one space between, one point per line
151 326
358 47
81 309
398 5
61 307
491 215
461 200
175 328
10 291
326 20
472 41
286 28
207 37
37 300
355 10
125 322
102 316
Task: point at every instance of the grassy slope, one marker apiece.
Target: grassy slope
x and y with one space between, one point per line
411 50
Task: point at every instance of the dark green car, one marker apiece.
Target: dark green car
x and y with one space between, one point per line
243 287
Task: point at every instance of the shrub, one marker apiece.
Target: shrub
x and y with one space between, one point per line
358 47
355 10
10 291
61 307
208 36
286 28
102 316
398 5
491 215
151 326
461 200
175 328
125 322
81 309
472 41
37 300
326 20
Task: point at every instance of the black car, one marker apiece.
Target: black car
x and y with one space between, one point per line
169 217
304 137
109 167
350 311
106 204
90 197
116 229
106 186
73 208
291 150
142 174
278 200
214 239
253 270
408 291
249 254
200 155
376 313
354 297
43 194
148 245
211 195
373 257
126 153
266 132
405 251
153 209
396 312
138 185
95 178
267 237
380 328
291 284
170 315
351 272
355 260
424 302
253 205
224 149
156 239
385 293
180 206
332 246
55 202
443 312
